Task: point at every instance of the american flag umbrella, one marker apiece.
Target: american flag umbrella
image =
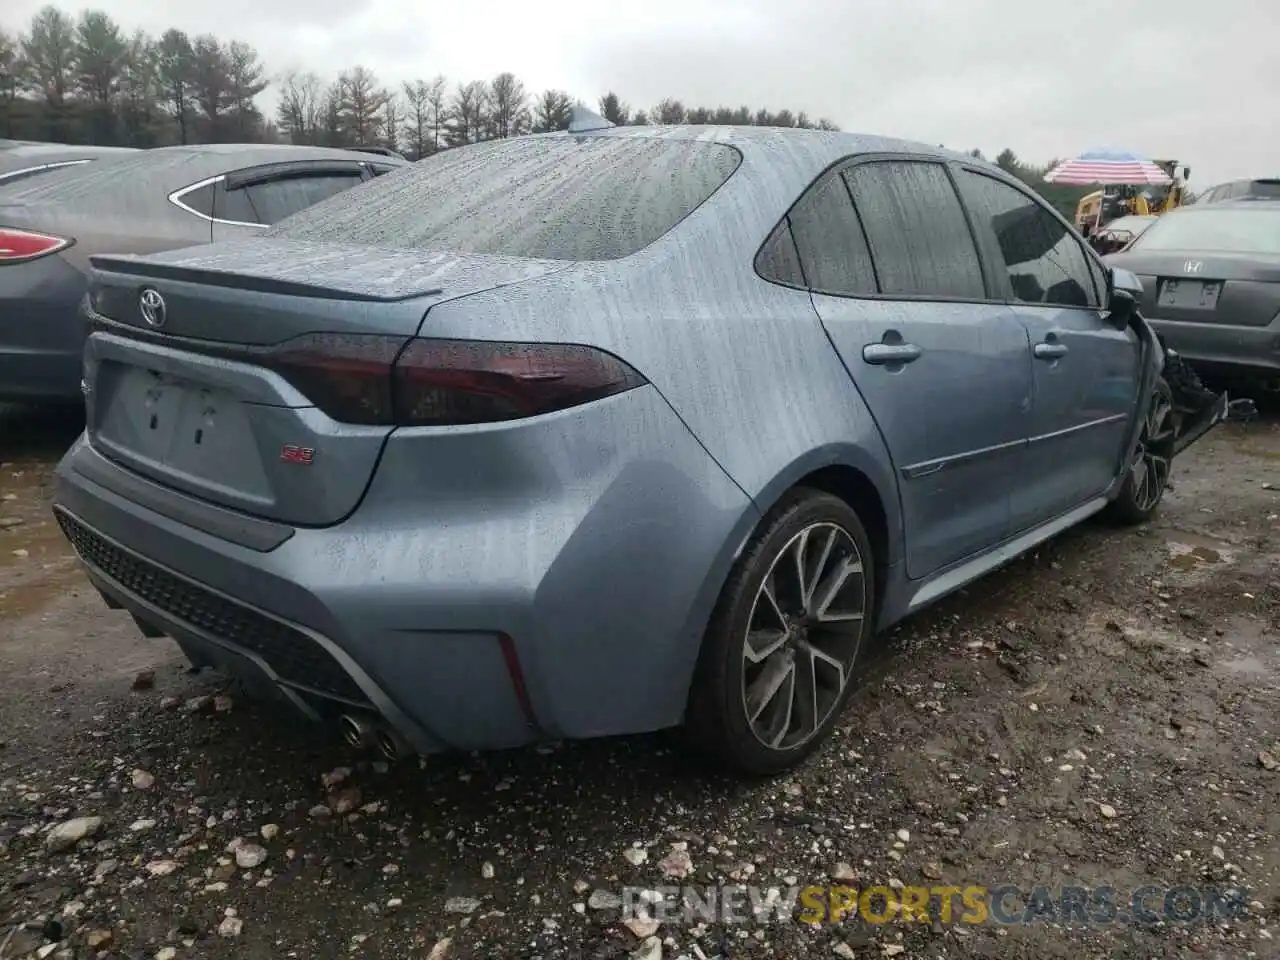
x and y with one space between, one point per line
1108 167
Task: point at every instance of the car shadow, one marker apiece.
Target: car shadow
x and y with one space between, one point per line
38 432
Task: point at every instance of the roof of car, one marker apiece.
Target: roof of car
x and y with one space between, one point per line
836 143
167 169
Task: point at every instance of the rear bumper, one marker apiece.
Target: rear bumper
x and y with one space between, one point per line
573 608
1232 348
42 333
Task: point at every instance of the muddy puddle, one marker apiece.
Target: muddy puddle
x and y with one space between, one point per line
1193 553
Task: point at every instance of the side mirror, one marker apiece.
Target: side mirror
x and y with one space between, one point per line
1121 306
1124 293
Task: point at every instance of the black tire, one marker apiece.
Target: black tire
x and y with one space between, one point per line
1148 475
717 720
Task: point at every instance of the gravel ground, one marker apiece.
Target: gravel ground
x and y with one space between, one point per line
1105 713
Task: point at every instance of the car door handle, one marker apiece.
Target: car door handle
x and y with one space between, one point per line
882 354
1050 351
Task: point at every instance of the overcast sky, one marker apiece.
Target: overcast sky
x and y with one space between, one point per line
1190 80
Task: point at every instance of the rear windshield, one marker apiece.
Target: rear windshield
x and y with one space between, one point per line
557 198
1251 229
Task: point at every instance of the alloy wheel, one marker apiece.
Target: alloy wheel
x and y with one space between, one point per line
802 635
1151 462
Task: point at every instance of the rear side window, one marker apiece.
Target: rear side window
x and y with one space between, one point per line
233 205
830 242
558 198
1044 260
916 230
274 200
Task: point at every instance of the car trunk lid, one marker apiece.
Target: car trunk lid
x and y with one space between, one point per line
1220 288
195 370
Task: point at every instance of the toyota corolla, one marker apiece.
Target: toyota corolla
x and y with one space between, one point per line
604 431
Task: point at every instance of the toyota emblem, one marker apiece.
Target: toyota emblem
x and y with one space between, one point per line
152 306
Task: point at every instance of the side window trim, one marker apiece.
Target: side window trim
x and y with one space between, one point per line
862 227
1089 254
176 199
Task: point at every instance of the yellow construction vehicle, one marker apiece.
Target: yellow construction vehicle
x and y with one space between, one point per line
1097 209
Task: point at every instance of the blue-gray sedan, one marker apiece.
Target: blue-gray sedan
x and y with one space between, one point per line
605 431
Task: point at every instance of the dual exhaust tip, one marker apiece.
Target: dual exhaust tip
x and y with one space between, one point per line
366 733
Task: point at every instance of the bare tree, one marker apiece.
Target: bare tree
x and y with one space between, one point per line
509 106
669 111
417 128
466 114
438 108
298 113
392 119
140 92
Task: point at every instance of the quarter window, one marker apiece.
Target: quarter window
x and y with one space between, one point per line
916 229
200 199
1044 260
778 261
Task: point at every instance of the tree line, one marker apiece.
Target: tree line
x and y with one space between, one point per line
86 79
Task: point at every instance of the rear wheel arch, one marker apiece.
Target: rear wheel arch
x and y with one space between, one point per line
856 489
855 477
845 476
845 507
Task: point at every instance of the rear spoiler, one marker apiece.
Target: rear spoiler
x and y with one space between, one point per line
150 270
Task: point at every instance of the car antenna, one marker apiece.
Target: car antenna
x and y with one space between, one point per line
581 120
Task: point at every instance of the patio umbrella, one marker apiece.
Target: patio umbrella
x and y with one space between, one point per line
1108 168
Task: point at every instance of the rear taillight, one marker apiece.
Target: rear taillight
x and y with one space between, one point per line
393 381
346 376
17 246
454 382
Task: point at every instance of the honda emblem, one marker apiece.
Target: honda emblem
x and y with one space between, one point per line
1193 266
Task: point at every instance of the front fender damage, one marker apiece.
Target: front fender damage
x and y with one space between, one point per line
1197 409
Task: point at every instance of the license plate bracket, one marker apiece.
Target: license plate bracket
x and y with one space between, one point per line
1189 294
